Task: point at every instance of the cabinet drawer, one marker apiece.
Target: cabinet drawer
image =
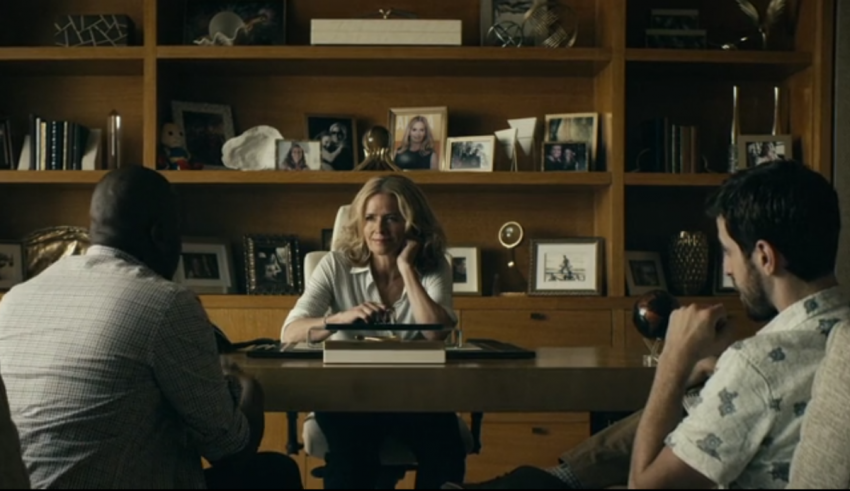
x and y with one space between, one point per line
540 328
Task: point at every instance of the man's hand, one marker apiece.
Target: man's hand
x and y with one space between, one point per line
696 332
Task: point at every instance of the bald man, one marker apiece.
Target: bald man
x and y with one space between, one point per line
112 370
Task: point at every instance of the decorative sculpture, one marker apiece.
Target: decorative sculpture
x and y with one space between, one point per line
376 147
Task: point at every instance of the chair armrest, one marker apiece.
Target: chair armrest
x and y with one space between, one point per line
293 446
476 432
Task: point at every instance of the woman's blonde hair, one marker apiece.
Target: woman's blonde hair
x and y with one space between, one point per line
419 221
427 143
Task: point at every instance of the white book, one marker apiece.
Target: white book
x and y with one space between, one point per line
365 352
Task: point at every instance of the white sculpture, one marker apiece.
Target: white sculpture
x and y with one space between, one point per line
252 150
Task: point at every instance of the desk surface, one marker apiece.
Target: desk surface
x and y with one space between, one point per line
558 380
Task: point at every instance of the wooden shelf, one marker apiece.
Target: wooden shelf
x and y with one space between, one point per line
745 64
51 177
342 60
71 61
660 179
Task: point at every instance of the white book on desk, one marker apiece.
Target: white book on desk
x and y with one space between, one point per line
360 352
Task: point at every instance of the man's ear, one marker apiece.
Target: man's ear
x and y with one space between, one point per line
767 258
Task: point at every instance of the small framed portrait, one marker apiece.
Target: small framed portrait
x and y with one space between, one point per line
234 23
571 266
565 156
466 272
418 134
6 157
298 155
644 272
11 264
723 283
272 265
470 153
502 20
205 127
337 137
205 266
574 127
760 149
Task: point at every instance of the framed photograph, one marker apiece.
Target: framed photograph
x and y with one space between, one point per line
418 134
466 272
337 137
759 149
234 23
272 265
205 266
566 266
574 127
206 127
723 283
11 264
470 153
644 272
298 155
505 18
565 156
6 157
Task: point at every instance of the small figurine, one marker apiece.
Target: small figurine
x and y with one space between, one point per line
176 157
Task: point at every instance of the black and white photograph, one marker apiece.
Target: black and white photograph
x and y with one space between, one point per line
466 274
644 272
337 138
205 128
760 149
11 264
506 18
574 127
272 265
470 153
206 266
234 23
565 156
566 266
418 135
294 155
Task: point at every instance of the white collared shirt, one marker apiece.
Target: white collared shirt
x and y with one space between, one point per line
743 429
336 286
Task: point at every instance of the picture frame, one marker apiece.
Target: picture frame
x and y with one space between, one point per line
337 137
272 265
585 269
470 153
206 127
509 14
564 157
206 266
12 264
287 151
644 272
723 284
7 161
466 270
574 127
242 23
404 121
757 149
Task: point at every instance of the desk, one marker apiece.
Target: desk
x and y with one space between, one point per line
558 380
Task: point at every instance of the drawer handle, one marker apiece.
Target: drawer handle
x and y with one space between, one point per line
538 430
537 316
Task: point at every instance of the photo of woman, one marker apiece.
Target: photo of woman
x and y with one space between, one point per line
418 136
298 155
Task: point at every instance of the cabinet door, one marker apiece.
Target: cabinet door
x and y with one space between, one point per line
533 329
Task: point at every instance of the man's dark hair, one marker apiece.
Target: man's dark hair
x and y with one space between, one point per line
788 205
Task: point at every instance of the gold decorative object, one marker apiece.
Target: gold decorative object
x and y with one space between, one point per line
554 24
376 147
688 254
46 246
774 9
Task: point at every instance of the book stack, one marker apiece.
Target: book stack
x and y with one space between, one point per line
59 145
670 148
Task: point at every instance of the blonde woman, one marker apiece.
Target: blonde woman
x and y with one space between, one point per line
417 146
390 264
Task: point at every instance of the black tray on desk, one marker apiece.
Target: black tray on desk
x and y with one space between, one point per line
473 349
